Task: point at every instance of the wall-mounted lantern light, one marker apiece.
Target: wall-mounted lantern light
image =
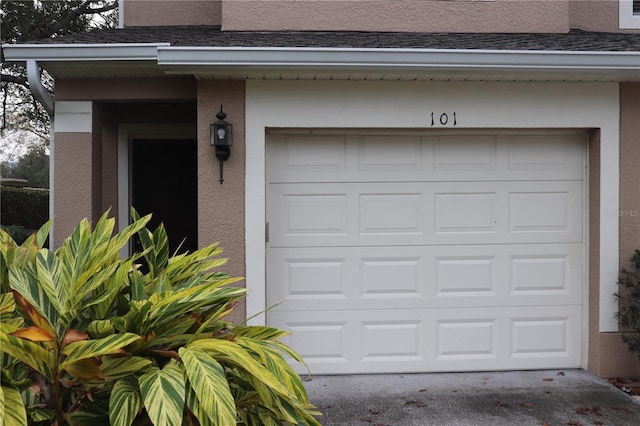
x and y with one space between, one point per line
221 139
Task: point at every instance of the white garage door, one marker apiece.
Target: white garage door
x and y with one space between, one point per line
417 252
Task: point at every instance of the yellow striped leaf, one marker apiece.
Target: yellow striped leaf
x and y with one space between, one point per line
7 306
12 409
191 400
211 387
163 392
119 367
91 348
233 354
31 353
32 299
125 402
49 272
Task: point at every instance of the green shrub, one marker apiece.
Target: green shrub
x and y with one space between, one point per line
629 298
87 337
25 207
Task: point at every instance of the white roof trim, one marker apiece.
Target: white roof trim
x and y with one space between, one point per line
398 58
82 52
206 57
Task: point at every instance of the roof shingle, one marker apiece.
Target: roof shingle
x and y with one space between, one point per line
575 40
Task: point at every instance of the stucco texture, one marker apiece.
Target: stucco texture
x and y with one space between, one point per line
500 16
72 182
171 12
221 206
608 355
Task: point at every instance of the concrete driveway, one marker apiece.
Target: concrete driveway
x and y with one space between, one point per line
551 397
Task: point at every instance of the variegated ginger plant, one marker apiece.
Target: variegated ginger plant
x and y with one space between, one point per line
88 337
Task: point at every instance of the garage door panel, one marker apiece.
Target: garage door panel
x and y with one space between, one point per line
391 157
383 214
414 251
425 277
338 342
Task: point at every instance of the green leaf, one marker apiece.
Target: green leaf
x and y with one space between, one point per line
43 233
260 332
31 290
194 406
100 328
209 382
12 409
118 367
233 354
96 347
7 306
31 353
94 412
163 392
125 402
49 273
274 361
168 306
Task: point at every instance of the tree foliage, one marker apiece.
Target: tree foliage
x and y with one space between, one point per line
32 166
30 20
629 298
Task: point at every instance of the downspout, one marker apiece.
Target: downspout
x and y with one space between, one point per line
44 97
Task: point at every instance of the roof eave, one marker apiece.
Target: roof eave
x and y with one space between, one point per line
201 60
398 59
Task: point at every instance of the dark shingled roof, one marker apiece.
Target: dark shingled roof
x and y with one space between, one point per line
575 40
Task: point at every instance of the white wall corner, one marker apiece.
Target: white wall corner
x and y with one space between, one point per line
73 116
121 13
627 20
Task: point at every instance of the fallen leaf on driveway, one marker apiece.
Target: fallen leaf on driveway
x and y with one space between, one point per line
415 403
625 410
527 404
547 379
500 404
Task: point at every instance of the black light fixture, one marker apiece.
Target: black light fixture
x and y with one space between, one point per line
221 139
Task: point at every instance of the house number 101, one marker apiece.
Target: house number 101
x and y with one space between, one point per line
444 119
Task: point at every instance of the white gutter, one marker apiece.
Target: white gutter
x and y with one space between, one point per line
37 88
44 97
82 52
336 58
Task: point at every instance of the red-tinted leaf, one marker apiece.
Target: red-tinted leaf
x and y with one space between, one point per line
28 309
34 334
74 336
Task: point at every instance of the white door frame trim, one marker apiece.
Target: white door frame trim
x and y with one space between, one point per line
126 133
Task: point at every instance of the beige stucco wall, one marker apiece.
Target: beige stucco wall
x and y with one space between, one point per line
608 355
600 15
172 88
73 189
538 16
171 12
221 207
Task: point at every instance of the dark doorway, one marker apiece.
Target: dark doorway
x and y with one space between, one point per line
164 183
